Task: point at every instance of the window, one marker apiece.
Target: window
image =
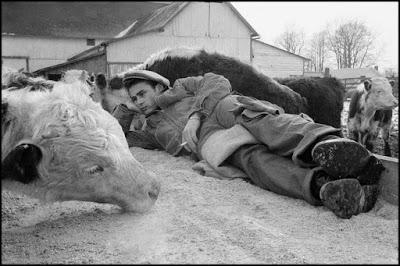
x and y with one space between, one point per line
90 42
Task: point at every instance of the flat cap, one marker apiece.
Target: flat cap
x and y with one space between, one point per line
146 75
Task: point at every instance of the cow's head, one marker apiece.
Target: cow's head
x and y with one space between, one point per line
111 93
60 145
379 93
86 82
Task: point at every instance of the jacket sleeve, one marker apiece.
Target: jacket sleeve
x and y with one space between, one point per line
182 88
124 116
208 90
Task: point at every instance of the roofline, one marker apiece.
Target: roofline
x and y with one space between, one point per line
161 28
254 32
106 43
7 34
185 4
308 59
69 62
86 51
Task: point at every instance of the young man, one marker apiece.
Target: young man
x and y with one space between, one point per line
241 136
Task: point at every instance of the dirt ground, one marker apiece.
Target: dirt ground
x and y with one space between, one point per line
196 219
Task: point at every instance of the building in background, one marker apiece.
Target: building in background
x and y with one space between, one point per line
40 34
351 77
213 26
276 62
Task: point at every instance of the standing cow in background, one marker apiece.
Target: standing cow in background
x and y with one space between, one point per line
322 103
371 110
58 145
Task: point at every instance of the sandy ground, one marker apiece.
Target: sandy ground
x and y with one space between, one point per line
196 219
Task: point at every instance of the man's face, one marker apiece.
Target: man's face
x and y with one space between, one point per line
142 95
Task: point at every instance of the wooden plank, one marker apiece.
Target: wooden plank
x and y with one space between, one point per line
389 182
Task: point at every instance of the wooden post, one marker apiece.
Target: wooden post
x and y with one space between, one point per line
326 74
389 183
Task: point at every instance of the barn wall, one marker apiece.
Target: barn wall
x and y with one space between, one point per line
275 62
212 26
42 52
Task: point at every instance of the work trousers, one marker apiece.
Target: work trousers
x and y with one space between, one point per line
282 161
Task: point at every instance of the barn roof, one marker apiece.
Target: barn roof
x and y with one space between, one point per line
72 19
155 21
263 43
159 18
351 73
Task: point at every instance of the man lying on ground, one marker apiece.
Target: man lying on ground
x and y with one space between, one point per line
239 136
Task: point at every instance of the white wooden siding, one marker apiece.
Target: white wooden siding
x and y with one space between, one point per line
42 52
227 35
214 20
275 62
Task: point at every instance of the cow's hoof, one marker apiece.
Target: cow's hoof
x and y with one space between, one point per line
344 197
340 157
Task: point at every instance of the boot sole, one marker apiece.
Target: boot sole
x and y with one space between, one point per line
344 197
340 157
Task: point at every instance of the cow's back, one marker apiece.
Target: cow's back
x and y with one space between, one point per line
243 77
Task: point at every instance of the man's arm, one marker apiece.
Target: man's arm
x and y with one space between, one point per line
135 138
124 116
182 88
207 89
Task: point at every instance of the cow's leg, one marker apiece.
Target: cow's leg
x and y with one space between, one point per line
386 136
365 138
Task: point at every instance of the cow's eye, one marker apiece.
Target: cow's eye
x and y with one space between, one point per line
95 169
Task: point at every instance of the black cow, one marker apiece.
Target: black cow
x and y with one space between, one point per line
321 100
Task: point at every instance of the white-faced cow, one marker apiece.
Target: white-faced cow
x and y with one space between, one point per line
58 145
371 110
322 101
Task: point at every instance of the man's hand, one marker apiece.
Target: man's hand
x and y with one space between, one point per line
131 106
189 135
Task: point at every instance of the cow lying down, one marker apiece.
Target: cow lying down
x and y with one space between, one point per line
59 145
321 100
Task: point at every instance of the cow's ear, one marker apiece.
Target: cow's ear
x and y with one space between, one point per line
116 83
391 83
367 85
101 81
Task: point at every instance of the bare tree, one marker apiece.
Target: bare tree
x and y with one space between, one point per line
291 40
318 51
353 44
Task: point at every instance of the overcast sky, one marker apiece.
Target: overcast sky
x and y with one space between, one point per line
270 19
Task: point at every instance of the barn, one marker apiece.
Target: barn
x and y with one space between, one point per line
276 62
214 26
351 77
36 35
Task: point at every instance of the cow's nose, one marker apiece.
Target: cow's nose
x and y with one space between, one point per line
154 191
